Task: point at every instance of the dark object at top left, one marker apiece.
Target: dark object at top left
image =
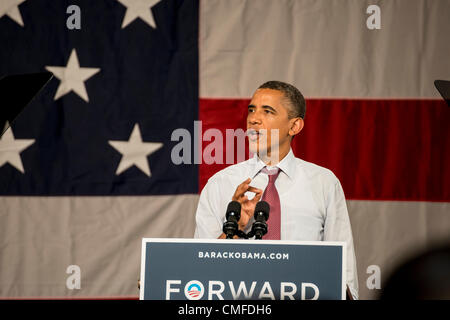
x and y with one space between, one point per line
16 92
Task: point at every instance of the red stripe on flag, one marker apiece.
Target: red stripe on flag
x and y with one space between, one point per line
379 149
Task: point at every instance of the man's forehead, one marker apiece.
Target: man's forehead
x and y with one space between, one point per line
267 95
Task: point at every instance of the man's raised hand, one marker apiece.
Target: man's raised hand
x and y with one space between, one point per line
247 206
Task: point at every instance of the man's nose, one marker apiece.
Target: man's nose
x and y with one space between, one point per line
254 118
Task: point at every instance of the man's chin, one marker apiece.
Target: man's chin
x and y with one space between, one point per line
260 151
254 147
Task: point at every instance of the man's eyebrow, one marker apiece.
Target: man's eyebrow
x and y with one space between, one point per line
264 107
269 107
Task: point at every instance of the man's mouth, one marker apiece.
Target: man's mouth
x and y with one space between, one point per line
253 134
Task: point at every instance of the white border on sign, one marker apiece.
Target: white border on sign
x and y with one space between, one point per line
236 241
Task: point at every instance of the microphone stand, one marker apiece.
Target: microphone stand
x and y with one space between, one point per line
259 229
230 226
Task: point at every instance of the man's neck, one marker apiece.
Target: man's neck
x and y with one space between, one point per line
273 157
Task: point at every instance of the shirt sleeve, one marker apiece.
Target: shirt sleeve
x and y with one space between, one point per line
208 217
337 228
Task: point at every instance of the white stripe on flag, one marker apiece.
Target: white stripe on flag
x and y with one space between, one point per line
324 47
386 233
102 235
41 236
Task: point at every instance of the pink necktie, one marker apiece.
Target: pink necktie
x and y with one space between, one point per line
271 196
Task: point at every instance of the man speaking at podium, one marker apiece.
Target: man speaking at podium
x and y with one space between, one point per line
306 201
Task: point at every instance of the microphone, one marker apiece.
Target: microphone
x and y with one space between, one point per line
261 215
230 227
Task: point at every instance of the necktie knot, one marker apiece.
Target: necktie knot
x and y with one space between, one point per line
272 174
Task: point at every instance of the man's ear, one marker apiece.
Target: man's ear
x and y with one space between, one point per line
297 125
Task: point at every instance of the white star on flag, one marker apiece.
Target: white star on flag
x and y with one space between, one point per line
11 9
135 152
72 77
11 148
139 9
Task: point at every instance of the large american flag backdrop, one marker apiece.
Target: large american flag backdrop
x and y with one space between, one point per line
86 170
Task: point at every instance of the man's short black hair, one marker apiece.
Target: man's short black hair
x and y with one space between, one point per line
292 94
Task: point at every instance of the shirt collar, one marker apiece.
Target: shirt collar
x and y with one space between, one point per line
258 164
286 165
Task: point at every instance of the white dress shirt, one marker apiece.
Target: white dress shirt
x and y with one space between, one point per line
313 206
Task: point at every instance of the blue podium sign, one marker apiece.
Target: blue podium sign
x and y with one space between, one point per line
194 269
